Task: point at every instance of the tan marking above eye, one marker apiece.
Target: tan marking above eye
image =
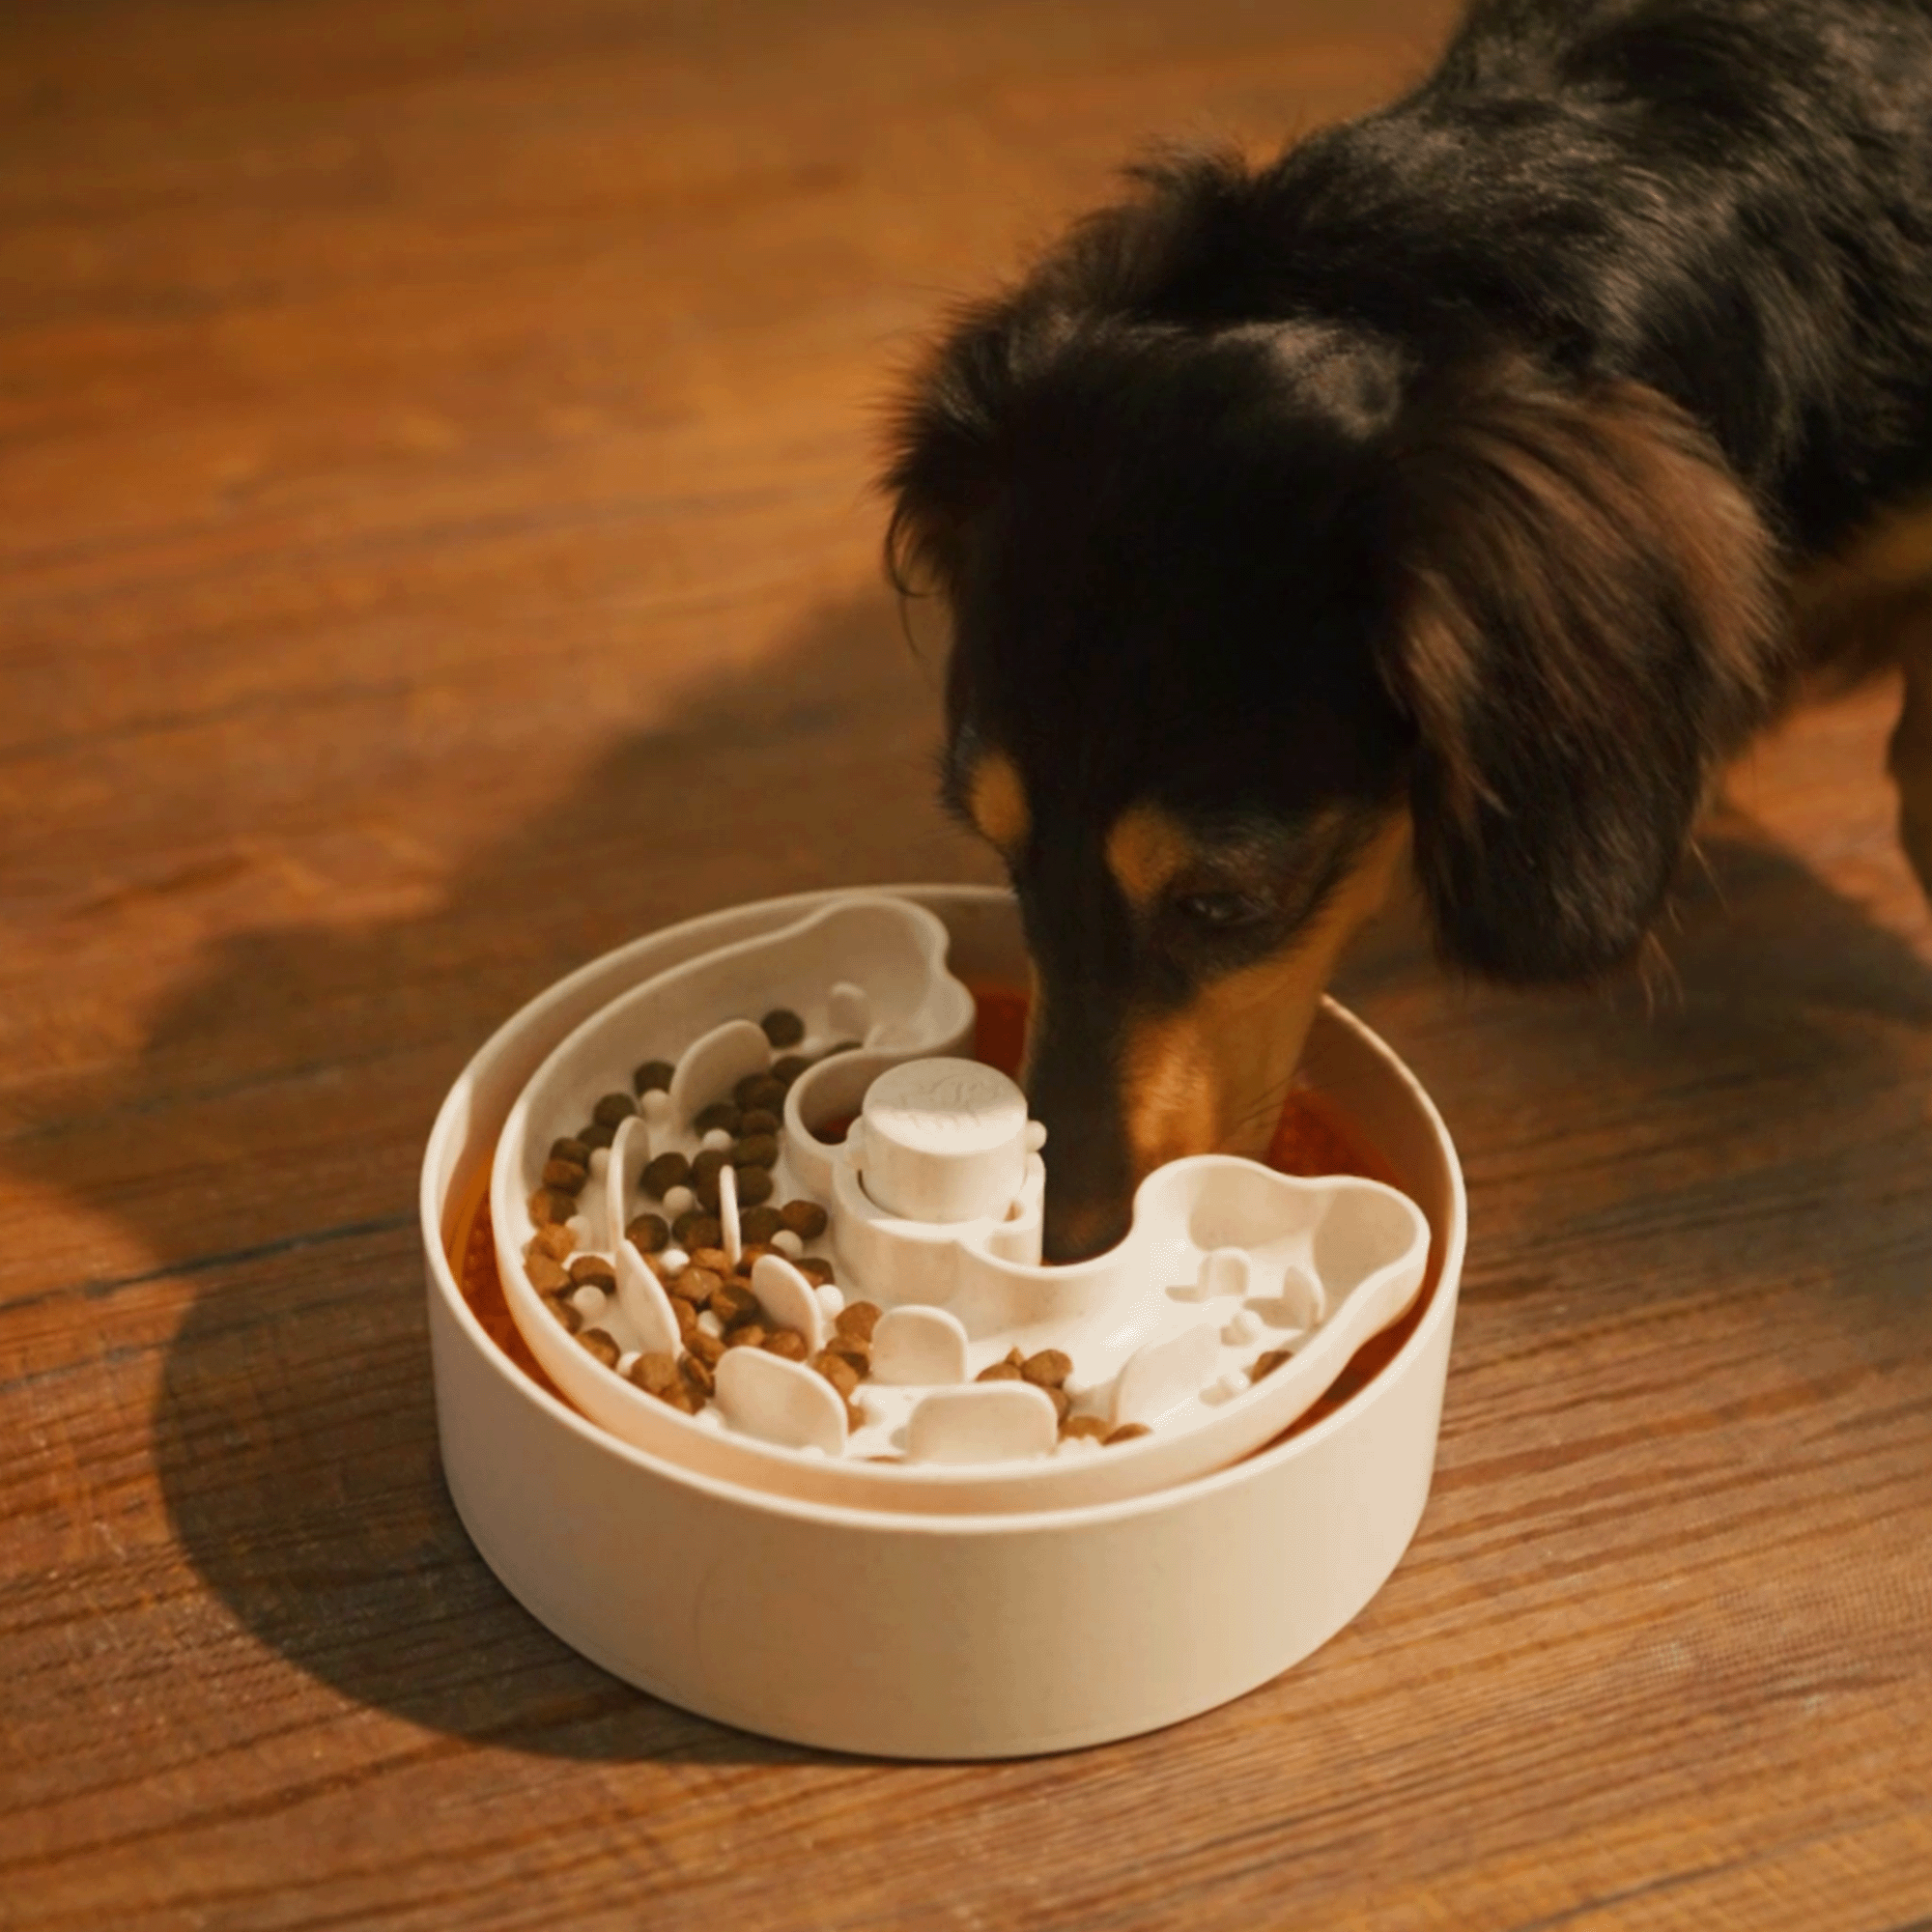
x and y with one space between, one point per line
996 801
1146 851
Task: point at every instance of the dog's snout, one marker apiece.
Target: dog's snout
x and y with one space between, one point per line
1077 1229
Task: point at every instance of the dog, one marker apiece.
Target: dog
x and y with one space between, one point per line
1454 494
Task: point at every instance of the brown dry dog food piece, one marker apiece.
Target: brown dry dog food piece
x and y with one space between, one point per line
747 1335
757 1225
1048 1368
600 1345
1267 1365
837 1371
698 1229
705 1167
709 1349
686 1318
1128 1431
857 1318
759 1120
654 1373
696 1375
597 1134
547 1275
719 1114
789 1067
1090 1426
565 1176
663 1173
654 1076
760 1091
570 1149
754 1151
805 1218
548 1206
556 1240
564 1309
856 1351
818 1273
715 1259
750 1257
754 1186
699 1285
783 1027
789 1343
595 1271
650 1233
732 1302
855 1420
998 1371
613 1110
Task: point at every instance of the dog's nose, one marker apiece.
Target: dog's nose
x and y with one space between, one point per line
1077 1229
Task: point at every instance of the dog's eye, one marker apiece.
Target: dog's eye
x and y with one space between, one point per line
1220 910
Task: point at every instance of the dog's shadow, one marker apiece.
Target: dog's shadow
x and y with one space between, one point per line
294 1433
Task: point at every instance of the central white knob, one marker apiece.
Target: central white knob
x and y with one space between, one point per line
944 1140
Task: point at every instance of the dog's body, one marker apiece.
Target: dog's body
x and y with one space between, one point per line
1469 484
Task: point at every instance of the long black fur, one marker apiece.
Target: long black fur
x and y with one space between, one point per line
1459 458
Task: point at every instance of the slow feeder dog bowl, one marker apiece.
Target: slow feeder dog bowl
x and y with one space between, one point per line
987 1592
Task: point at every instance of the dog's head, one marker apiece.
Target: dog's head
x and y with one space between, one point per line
1247 611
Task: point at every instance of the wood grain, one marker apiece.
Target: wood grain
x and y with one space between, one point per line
435 547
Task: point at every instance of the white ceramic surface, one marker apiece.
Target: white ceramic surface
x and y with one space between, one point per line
959 1635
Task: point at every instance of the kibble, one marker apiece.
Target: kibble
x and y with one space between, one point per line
783 1027
789 1343
837 1371
547 1274
600 1344
715 1259
697 1229
854 1351
755 1186
759 1120
1267 1365
548 1206
598 1134
570 1149
754 1151
613 1110
722 1114
787 1069
698 1285
747 1335
654 1076
757 1225
594 1271
760 1091
654 1373
805 1218
697 1375
1048 1368
857 1318
707 1347
1128 1431
1090 1426
750 1257
661 1176
650 1233
565 1176
686 1318
556 1240
816 1269
998 1371
732 1302
558 1302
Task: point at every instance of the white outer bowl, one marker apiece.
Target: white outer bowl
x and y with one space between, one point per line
944 1636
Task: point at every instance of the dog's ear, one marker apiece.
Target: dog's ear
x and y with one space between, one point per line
1586 624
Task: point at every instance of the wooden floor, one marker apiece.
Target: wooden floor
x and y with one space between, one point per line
434 455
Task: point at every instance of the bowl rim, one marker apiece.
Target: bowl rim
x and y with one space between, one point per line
453 1117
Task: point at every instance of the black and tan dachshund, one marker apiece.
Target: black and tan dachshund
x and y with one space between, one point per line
1459 492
